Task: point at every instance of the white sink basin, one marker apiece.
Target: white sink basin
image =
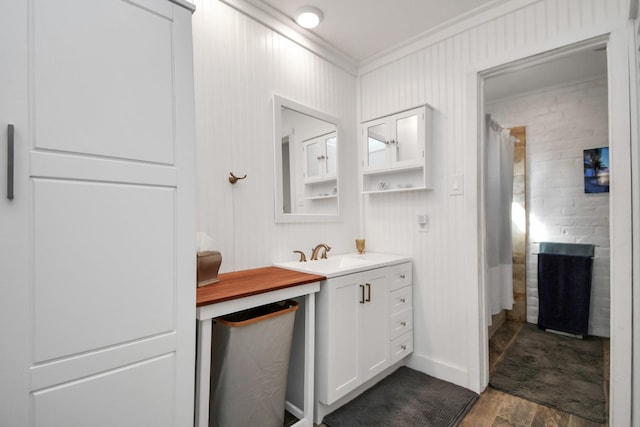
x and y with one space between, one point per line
341 264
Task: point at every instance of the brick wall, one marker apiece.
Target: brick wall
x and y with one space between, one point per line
561 122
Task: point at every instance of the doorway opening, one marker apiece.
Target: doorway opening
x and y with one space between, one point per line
561 101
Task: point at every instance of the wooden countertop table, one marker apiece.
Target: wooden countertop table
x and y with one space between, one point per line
240 284
241 290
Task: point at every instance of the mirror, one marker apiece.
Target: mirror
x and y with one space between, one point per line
407 138
306 145
376 145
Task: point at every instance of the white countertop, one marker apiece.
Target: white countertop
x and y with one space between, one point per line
341 264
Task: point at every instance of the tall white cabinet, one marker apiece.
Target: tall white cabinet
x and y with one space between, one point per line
97 300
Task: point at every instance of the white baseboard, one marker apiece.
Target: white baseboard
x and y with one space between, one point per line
439 370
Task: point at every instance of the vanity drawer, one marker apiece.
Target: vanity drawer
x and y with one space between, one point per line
400 299
400 323
401 347
400 275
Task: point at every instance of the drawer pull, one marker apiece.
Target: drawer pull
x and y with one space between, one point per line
362 298
368 285
403 300
403 347
403 276
403 323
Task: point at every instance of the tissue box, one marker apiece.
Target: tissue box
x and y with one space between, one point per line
208 266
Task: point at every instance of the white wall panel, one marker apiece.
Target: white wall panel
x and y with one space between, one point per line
93 93
239 65
107 308
120 398
437 74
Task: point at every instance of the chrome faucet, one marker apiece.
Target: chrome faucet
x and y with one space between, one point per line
315 251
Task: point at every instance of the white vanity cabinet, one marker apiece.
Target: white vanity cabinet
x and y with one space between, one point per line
357 328
400 312
396 151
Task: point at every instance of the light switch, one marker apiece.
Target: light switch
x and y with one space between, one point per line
456 184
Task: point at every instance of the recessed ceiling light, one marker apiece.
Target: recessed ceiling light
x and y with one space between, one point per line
308 17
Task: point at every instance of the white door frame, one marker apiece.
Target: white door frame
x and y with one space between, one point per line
616 40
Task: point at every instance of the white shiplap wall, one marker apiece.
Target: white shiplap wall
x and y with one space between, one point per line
239 65
437 73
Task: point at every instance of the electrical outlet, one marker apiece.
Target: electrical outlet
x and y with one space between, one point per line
422 223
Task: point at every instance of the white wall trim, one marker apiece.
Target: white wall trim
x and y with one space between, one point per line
635 199
621 223
441 32
437 369
429 39
557 47
620 212
186 4
276 21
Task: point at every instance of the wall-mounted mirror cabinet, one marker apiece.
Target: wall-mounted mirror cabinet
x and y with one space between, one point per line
307 147
397 152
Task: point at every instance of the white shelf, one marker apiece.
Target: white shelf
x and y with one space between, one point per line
395 190
329 196
312 181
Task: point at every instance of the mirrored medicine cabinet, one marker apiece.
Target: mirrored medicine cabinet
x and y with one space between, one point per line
397 152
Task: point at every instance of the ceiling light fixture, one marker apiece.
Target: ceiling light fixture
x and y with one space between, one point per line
308 17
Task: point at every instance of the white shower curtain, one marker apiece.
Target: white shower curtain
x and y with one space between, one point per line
499 195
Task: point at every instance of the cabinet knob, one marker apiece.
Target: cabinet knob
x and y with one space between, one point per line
403 323
403 276
403 346
403 300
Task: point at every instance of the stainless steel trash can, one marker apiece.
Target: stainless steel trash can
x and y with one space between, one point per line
249 364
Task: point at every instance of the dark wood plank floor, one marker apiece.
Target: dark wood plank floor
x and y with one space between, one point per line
496 409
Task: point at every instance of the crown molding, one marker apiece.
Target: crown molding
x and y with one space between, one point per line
283 25
447 29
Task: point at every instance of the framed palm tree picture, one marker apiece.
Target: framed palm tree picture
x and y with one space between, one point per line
596 170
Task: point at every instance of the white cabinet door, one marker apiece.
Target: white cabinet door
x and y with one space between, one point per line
15 217
321 158
354 309
330 169
378 138
408 138
343 349
97 255
395 141
313 159
374 323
